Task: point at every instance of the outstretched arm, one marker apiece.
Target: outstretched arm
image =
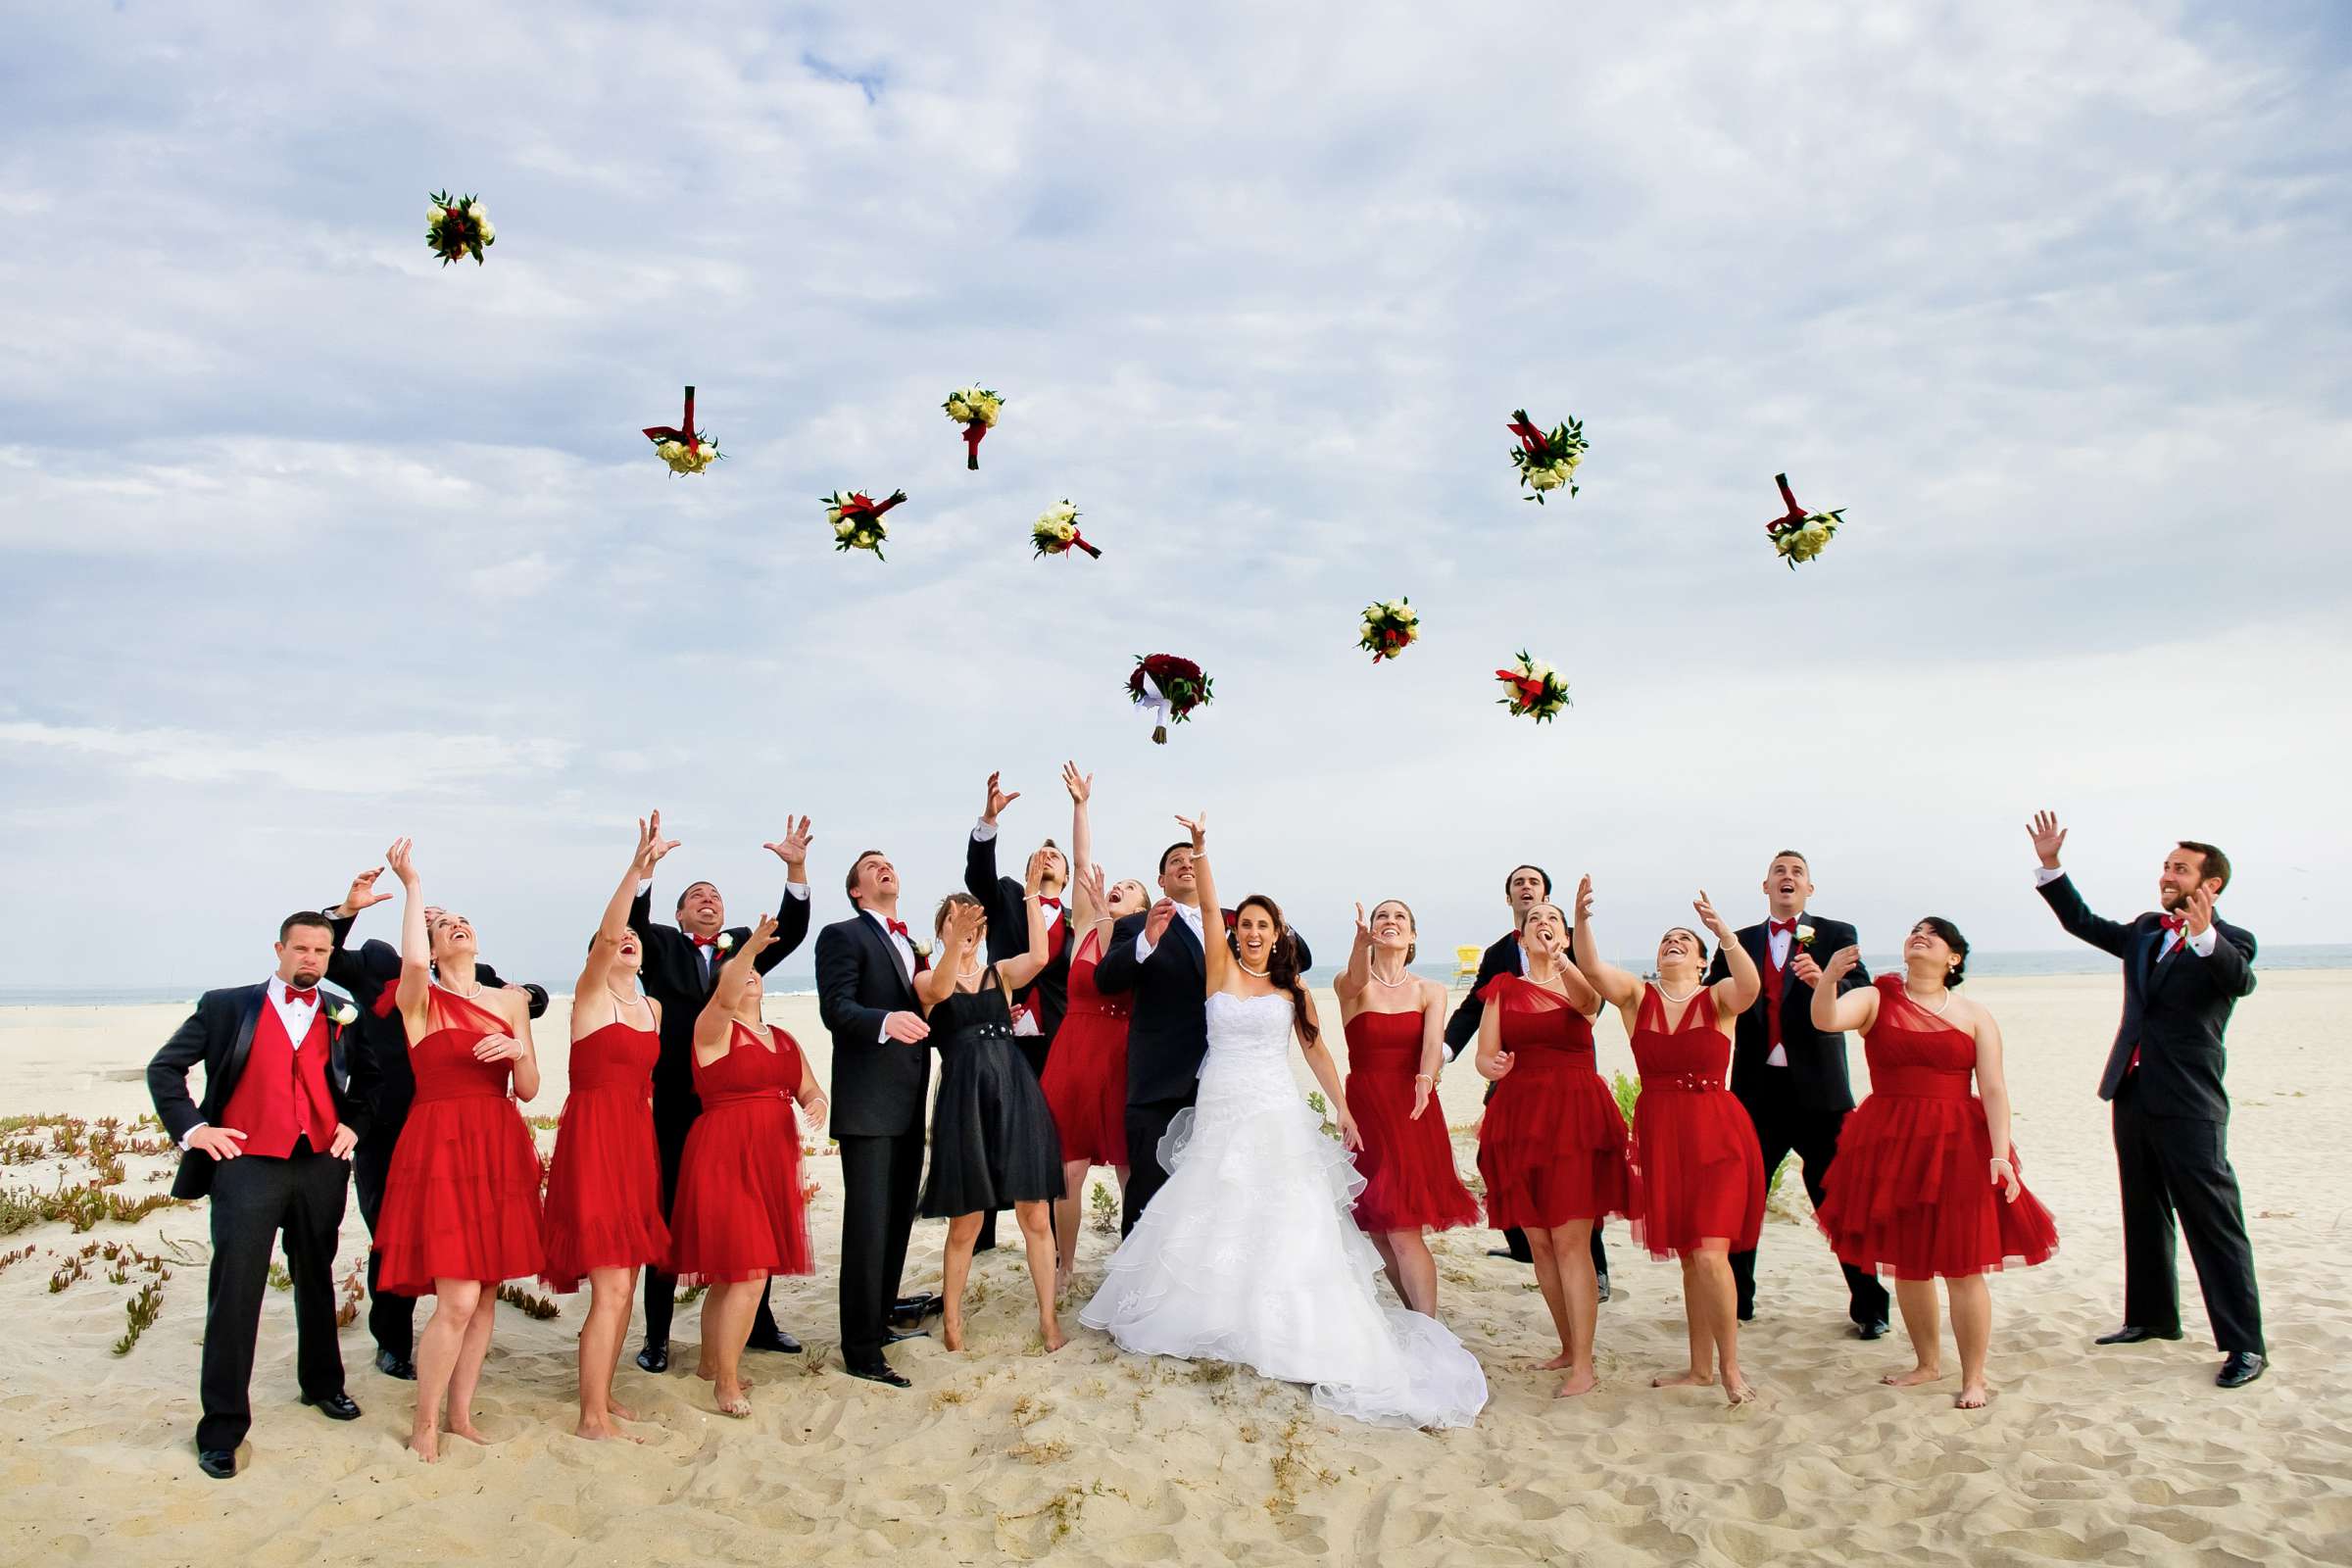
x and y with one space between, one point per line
712 1025
2064 898
1615 984
792 913
1741 985
416 950
957 941
1835 1008
596 972
1019 972
1351 980
1081 827
1216 959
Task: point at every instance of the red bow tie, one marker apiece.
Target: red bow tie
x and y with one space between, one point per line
898 928
705 942
2173 922
1049 903
1779 926
308 998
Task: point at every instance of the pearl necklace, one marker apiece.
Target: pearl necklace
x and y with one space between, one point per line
1406 979
1678 1001
1256 974
1933 1012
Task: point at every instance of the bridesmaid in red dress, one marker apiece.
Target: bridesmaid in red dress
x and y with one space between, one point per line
1551 1148
462 1201
1925 1184
1086 1072
1395 1022
603 1187
739 1216
1698 1176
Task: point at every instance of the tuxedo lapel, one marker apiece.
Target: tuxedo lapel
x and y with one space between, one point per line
2148 949
887 950
249 1017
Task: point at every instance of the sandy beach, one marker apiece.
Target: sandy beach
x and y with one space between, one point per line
1002 1453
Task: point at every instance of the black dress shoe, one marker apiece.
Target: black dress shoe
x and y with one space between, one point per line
2240 1368
779 1343
2129 1335
1505 1252
395 1366
653 1357
218 1464
334 1406
1748 1312
1875 1329
910 1311
894 1336
1603 1280
880 1372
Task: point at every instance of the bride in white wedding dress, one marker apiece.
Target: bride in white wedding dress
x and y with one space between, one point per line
1250 1253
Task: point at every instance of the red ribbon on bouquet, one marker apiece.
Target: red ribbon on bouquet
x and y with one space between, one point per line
860 507
1531 439
1530 689
972 433
659 433
1796 515
1078 542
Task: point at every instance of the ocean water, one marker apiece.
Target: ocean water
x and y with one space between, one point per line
2059 960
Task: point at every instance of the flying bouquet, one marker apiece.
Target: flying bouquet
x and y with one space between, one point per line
1390 628
1170 687
975 408
1547 459
1798 534
1533 690
458 229
857 519
1056 532
684 449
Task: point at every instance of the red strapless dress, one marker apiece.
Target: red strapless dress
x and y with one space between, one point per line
740 1213
603 1187
1552 1147
1407 1165
1697 1172
1086 1070
462 1199
1910 1193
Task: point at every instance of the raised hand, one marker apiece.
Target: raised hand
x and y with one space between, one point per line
1804 968
650 845
1363 932
1841 965
1080 785
401 857
1092 891
793 848
1198 826
963 928
2198 908
2048 838
998 800
361 892
764 937
1156 924
1032 876
1584 899
2004 1176
1709 918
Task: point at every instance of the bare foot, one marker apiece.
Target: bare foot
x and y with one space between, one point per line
620 1411
465 1429
1576 1382
1913 1378
1975 1397
1736 1388
427 1446
951 1332
603 1432
710 1374
1558 1363
731 1402
1692 1379
1054 1339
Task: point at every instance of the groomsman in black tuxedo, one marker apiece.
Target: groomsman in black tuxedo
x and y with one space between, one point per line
271 1145
1038 1007
865 971
1157 957
2184 967
1526 887
383 1085
681 964
1790 1076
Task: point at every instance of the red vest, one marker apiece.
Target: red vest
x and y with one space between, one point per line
283 1092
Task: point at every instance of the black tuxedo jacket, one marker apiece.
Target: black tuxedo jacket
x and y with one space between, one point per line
673 975
381 1079
2174 1012
1006 903
219 1035
1502 957
1816 1073
1167 1032
879 1085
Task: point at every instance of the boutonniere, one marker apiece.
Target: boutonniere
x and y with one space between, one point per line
1804 936
343 1014
922 949
725 942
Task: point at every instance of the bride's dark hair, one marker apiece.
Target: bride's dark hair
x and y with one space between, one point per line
1282 962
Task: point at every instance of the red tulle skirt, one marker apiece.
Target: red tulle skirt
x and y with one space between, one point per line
1697 1172
462 1201
1086 1088
1910 1193
1407 1165
739 1213
603 1188
1552 1148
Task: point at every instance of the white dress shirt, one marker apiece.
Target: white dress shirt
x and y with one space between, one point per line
1189 913
297 1015
900 945
2201 944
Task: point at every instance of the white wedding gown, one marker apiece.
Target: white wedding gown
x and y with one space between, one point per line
1250 1254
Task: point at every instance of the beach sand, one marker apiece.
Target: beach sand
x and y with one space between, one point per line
1092 1456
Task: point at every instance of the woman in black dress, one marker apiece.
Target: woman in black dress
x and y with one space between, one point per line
992 1135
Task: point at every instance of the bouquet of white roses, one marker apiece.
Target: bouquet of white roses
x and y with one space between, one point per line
1533 689
1388 628
457 227
975 408
685 449
1547 460
1798 534
1055 531
857 519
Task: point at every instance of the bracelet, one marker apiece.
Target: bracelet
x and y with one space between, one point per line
1424 1077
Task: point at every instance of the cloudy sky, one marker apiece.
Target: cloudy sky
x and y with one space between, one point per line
311 542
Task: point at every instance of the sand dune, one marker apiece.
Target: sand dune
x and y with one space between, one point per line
1091 1456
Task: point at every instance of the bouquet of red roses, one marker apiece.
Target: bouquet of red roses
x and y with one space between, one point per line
1798 534
1169 687
857 519
682 447
457 227
1547 459
1533 689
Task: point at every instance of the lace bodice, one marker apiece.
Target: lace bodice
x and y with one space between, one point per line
1249 1025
